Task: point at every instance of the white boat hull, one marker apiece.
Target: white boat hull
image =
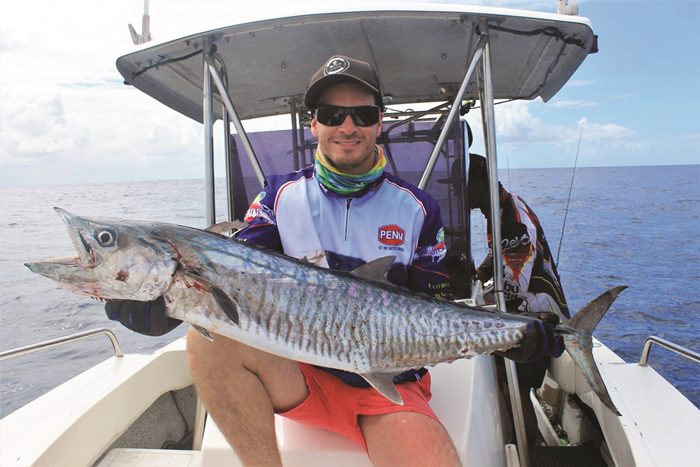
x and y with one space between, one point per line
78 422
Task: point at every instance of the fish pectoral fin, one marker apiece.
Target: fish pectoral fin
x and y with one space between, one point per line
227 305
375 270
384 384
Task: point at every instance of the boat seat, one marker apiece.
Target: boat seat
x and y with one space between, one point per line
77 421
128 457
460 390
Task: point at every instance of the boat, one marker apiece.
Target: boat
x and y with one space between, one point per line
436 63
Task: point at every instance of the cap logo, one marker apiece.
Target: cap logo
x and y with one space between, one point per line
335 65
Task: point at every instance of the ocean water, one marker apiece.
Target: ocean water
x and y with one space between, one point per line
632 225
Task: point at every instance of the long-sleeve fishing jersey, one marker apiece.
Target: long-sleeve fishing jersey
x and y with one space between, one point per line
299 217
531 282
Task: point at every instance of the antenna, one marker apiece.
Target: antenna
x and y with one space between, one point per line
565 9
568 200
145 27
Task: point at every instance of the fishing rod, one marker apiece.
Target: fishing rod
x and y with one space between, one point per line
510 187
568 199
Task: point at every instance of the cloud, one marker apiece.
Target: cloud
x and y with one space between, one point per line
32 128
66 118
530 141
576 83
572 104
515 123
607 132
128 129
12 40
88 134
103 83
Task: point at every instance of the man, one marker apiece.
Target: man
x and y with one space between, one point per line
341 212
531 283
334 210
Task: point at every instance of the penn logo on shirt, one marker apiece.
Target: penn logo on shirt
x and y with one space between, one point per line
391 235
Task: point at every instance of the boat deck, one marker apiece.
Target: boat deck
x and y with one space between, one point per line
79 422
457 392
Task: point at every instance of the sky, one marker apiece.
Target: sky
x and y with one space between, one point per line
67 118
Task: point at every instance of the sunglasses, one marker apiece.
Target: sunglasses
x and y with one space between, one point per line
333 115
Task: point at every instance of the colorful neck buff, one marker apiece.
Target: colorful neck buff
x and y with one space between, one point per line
347 184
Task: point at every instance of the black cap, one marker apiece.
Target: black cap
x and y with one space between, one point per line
341 69
477 167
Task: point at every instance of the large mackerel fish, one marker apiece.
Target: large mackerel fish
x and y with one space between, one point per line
353 321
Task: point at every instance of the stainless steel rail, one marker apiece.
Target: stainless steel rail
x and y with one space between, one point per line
679 349
235 119
63 340
488 119
476 59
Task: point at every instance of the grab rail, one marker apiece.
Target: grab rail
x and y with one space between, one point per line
679 349
63 340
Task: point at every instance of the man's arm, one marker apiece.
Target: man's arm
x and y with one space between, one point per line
518 241
262 224
428 272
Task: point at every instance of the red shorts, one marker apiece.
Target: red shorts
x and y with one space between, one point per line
333 405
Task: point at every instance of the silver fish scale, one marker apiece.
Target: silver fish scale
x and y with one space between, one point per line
306 318
319 317
280 305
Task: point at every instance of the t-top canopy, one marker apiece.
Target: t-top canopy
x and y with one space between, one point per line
420 56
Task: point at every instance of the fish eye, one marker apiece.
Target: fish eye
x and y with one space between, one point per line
105 237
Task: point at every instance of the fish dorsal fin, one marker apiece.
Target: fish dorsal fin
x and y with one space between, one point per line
224 227
375 270
384 384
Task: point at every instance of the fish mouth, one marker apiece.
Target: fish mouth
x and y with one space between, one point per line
85 259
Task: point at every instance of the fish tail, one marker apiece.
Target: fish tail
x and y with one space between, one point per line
578 341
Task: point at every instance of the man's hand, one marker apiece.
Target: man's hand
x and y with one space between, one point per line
147 318
484 273
539 341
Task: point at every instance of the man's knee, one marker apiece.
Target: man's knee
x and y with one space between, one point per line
408 438
227 363
204 355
